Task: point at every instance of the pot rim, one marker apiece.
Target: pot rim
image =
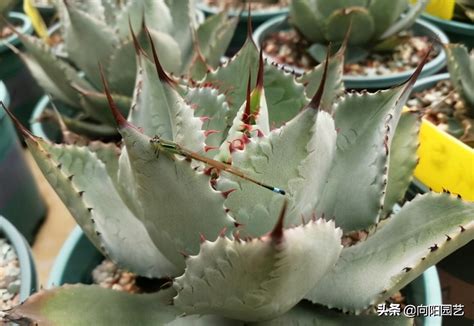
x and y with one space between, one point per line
451 25
258 15
367 81
28 276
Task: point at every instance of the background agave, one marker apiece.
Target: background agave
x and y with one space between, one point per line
374 23
99 32
343 165
461 71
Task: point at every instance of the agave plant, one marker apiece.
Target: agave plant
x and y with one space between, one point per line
461 72
374 25
187 196
99 32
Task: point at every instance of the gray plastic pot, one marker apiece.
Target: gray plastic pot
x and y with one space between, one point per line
78 257
28 276
368 82
458 32
20 199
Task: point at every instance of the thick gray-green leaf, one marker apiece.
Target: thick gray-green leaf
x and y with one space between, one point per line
250 121
307 314
403 160
208 104
168 50
385 13
54 75
177 202
295 158
122 68
183 15
307 19
95 106
259 279
214 36
406 20
83 183
358 19
88 42
232 77
285 97
78 305
461 70
334 86
426 230
158 109
357 181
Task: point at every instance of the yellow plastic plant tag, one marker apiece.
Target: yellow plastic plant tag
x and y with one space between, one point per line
445 162
440 8
36 19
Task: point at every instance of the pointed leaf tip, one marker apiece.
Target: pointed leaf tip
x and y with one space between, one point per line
25 132
259 84
247 112
277 233
119 118
418 70
136 44
159 68
316 100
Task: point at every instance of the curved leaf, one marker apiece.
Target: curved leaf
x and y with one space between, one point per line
423 232
259 279
403 160
83 183
177 203
77 305
357 181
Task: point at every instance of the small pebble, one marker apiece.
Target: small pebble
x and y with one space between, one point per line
9 276
108 275
288 47
444 107
239 4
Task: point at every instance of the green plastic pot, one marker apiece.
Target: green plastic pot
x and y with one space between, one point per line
368 82
240 35
20 200
78 257
458 32
28 276
48 130
23 89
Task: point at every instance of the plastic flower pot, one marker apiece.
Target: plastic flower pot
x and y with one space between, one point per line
28 276
48 129
23 89
20 199
458 32
258 17
78 257
445 162
368 82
